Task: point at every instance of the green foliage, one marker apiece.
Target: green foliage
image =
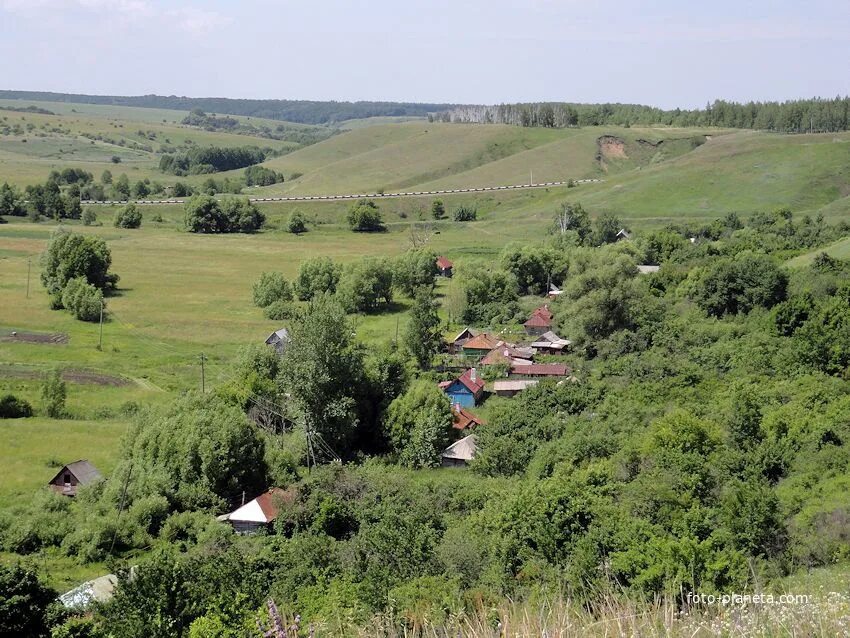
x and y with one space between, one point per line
89 217
464 213
128 217
83 300
11 201
281 310
11 407
366 285
69 256
413 269
490 296
204 214
438 209
739 284
365 216
534 267
419 424
271 287
199 160
423 338
572 218
261 176
316 276
296 224
53 394
24 602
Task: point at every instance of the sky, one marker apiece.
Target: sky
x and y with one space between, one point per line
665 53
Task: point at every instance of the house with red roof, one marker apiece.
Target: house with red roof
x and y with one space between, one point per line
537 370
479 345
466 390
257 513
444 266
463 419
537 325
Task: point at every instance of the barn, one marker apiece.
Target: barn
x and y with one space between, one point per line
460 453
444 266
70 477
257 513
278 340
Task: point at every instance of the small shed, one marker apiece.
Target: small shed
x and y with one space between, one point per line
537 325
460 453
463 419
646 269
554 291
256 513
444 266
466 390
279 339
541 370
623 234
70 477
510 387
550 343
99 590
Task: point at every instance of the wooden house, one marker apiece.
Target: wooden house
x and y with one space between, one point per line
478 347
278 340
444 266
72 476
550 343
460 453
456 344
539 322
257 513
537 370
466 390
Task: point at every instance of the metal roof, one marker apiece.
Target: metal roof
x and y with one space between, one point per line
513 385
82 470
462 450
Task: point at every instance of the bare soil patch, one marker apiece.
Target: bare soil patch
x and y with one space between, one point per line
55 338
87 377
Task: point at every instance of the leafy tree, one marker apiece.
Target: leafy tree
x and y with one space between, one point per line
69 256
271 287
572 217
181 190
281 310
316 276
89 217
241 215
322 371
365 216
414 269
438 209
82 299
11 201
605 230
419 425
11 407
122 186
422 337
141 190
296 223
739 284
490 295
24 603
261 176
128 217
106 177
534 267
53 394
365 285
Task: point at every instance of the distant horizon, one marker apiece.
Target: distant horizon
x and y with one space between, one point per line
664 54
418 102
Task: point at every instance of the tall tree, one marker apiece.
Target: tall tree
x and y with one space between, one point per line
422 337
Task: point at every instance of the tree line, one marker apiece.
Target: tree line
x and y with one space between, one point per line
792 116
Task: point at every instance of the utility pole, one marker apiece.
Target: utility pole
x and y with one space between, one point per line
29 267
100 340
530 177
203 380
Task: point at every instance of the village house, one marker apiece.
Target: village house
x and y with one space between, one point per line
444 266
550 343
70 477
478 347
466 390
554 292
511 387
508 353
456 344
257 513
463 419
279 339
460 453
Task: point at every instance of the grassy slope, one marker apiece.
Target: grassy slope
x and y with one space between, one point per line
839 250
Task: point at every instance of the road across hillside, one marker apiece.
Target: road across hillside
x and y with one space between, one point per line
303 198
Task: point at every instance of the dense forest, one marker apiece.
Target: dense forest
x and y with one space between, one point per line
794 116
702 444
303 111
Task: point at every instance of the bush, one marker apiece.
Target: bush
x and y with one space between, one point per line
128 217
89 217
261 176
203 214
82 299
53 394
438 209
296 224
281 310
365 216
465 214
271 287
23 603
366 285
69 256
11 407
316 276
